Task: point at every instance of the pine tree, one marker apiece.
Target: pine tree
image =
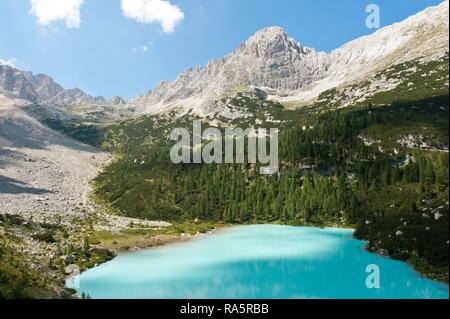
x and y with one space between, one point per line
85 246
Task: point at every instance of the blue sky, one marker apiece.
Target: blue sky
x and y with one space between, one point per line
106 52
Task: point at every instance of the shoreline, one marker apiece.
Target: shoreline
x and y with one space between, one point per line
137 239
170 240
164 240
181 240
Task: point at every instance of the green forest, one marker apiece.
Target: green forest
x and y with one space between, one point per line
328 176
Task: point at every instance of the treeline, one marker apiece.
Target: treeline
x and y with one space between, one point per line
240 195
236 193
335 138
324 171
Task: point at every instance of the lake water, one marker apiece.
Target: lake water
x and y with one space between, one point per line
261 261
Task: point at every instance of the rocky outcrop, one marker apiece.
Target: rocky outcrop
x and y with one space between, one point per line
16 83
116 100
44 86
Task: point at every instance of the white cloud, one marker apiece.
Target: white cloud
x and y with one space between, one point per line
150 11
143 48
10 62
48 11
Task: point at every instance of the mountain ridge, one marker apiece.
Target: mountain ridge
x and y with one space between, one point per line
288 72
270 62
42 89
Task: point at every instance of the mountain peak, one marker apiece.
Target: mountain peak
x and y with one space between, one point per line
272 41
272 30
269 34
273 61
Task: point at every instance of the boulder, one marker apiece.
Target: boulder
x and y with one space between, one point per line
69 259
72 269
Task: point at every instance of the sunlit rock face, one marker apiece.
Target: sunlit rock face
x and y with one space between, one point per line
288 71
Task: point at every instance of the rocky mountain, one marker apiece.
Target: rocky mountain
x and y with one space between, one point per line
43 90
270 64
282 69
14 82
44 86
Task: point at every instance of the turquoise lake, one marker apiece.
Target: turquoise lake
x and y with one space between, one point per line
260 261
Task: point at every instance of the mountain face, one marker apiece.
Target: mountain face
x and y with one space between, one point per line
44 86
269 64
286 71
16 83
43 90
